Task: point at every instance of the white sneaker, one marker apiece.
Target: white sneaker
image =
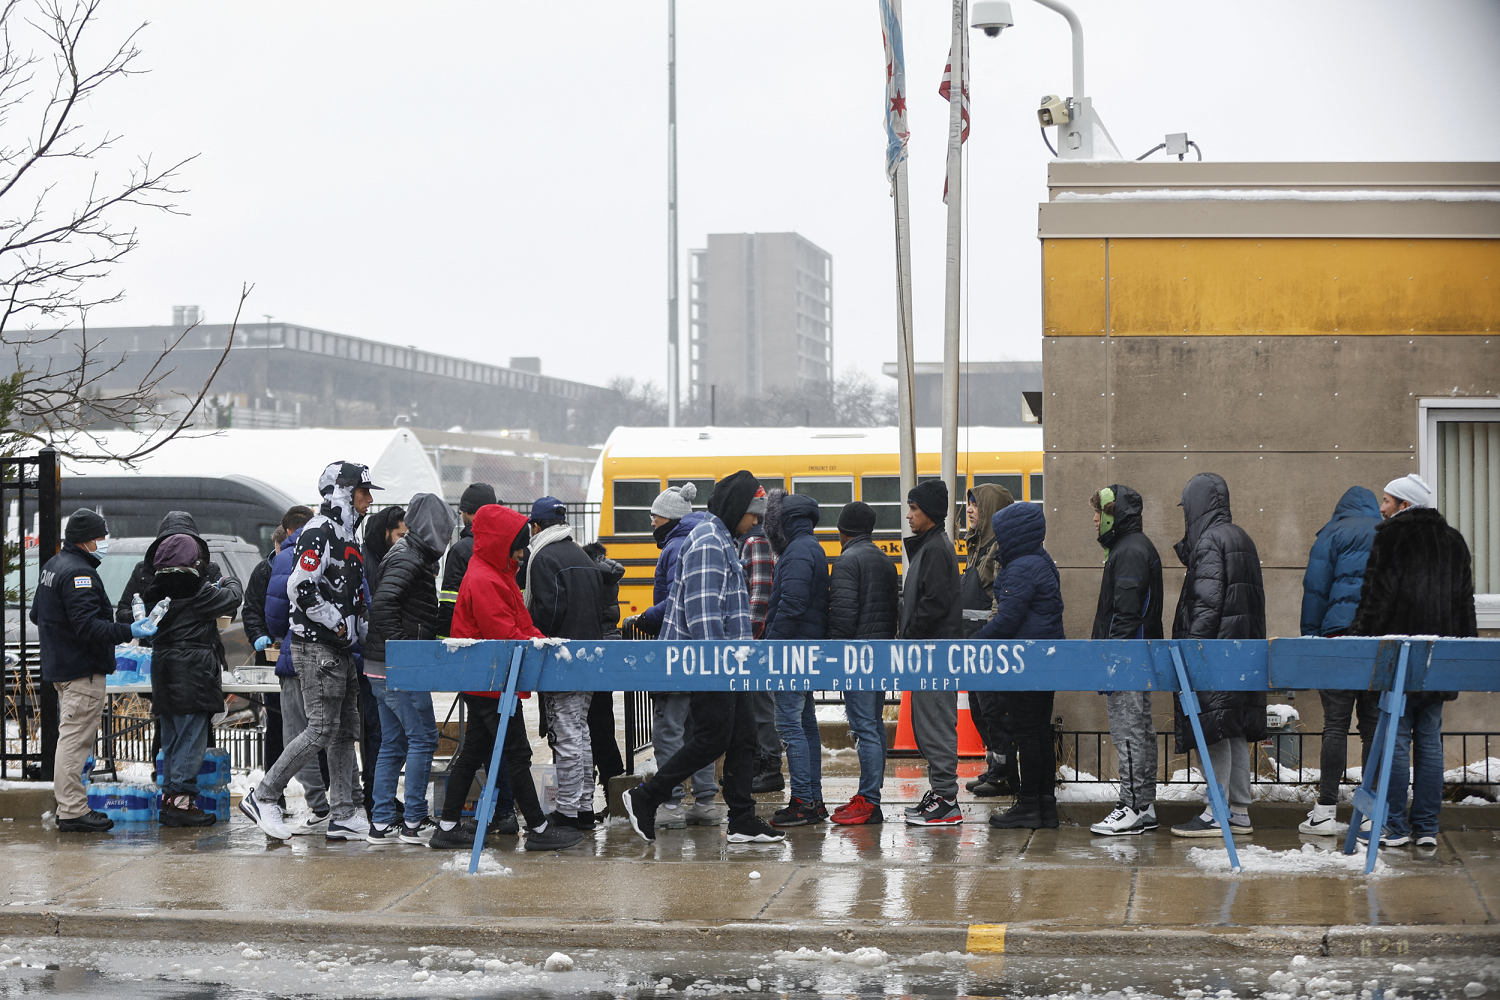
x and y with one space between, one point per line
308 823
356 827
1125 821
266 815
1320 822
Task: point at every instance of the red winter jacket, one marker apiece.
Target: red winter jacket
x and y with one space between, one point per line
490 605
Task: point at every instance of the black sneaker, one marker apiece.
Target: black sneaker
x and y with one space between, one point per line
798 812
381 836
504 826
554 838
92 821
173 815
767 781
751 829
417 833
456 839
935 811
641 812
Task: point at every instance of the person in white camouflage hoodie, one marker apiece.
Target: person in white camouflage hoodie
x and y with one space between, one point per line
328 617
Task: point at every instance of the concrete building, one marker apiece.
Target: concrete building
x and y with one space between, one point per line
1298 328
990 393
760 315
284 375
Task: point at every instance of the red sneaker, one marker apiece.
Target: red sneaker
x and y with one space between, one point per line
857 812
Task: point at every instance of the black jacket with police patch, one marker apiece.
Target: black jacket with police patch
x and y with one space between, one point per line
73 614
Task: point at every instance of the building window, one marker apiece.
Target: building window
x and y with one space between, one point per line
632 505
1460 458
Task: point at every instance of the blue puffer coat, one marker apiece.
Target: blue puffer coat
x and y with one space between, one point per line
799 586
666 570
1336 564
1028 591
279 605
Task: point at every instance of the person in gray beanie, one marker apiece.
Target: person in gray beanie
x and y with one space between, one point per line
675 502
1402 494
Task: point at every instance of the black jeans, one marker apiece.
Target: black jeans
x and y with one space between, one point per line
607 759
1031 714
987 708
478 745
720 723
1338 707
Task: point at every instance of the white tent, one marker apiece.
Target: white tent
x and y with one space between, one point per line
290 460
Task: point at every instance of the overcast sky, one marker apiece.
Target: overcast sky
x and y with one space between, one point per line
489 179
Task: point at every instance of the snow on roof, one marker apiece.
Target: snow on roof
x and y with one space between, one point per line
754 442
1275 194
290 460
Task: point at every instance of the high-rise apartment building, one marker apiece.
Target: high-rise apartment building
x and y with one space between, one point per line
760 315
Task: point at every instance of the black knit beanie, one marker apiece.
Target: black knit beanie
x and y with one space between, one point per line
932 498
84 526
857 518
475 496
731 498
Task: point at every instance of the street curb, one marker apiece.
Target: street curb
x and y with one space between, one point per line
893 938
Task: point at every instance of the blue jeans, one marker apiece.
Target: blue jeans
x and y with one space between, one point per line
866 723
671 730
797 725
408 733
1419 745
183 740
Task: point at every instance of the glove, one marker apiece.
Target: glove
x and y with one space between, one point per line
143 629
629 623
261 643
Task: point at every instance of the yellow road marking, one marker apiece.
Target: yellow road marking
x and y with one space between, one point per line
986 939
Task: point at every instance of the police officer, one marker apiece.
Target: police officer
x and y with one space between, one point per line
78 635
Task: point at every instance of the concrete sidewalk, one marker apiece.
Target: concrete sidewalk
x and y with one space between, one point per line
904 890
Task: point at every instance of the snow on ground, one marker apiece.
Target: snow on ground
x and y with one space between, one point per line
868 958
1257 860
489 864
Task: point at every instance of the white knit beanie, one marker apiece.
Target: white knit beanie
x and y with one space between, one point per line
675 502
1412 488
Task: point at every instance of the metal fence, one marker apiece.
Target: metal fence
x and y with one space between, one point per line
31 504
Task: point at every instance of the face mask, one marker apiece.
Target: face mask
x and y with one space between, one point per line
1106 521
103 548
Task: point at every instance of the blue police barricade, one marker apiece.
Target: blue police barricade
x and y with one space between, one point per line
1393 665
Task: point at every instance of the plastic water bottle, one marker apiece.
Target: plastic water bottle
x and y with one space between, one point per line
88 769
160 611
137 607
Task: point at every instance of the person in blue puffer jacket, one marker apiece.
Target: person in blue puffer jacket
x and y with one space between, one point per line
1330 596
314 776
798 610
1028 605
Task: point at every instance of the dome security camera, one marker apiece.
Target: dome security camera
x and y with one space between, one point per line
991 16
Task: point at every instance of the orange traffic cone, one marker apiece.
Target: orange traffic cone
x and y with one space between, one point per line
969 743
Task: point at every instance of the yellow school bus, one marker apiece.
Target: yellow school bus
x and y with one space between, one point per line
833 465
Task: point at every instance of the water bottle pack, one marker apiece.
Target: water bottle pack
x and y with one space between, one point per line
124 802
215 802
132 666
212 775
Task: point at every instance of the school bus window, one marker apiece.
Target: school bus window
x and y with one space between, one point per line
632 508
883 494
1011 481
705 488
831 495
1036 488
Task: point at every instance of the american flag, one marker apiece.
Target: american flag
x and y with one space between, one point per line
945 90
896 132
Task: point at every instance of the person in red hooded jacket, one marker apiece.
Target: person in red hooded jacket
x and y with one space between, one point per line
490 606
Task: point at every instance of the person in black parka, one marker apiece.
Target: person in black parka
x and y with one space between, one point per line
1223 597
187 660
1130 600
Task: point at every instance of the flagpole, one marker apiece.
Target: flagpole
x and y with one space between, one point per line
958 60
673 365
896 137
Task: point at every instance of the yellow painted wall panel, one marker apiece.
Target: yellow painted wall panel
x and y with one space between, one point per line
1222 286
1074 296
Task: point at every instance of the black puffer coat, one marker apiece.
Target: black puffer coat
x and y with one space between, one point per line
862 592
187 657
612 572
405 602
174 522
1130 594
1222 598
